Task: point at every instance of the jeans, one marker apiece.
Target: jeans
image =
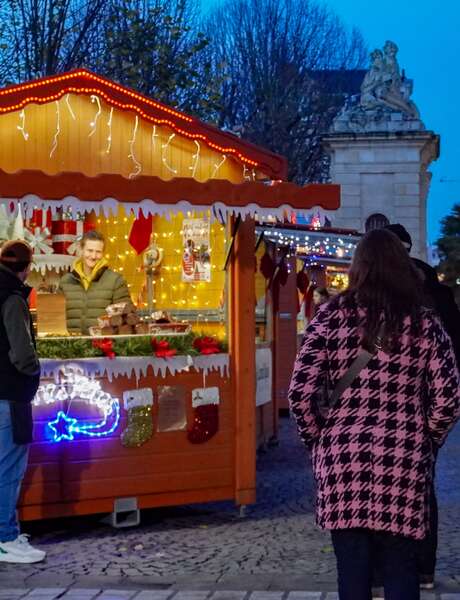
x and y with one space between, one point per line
357 551
13 463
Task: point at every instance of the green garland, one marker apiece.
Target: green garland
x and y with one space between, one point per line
126 346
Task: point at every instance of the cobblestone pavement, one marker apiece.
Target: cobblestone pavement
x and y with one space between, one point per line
208 547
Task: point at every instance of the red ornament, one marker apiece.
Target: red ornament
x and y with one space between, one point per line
206 345
162 349
106 346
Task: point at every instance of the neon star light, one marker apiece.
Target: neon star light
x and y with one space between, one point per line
76 387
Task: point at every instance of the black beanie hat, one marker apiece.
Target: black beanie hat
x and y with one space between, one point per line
16 255
401 232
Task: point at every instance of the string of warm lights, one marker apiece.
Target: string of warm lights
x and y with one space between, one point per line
100 93
315 244
58 129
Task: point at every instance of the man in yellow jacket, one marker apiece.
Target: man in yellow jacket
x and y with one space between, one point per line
91 286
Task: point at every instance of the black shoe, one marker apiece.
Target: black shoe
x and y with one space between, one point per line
426 582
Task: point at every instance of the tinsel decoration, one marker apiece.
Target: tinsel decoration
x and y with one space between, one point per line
139 428
205 423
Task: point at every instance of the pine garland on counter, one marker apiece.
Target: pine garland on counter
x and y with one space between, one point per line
76 347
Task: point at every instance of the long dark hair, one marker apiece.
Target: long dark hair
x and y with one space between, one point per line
385 282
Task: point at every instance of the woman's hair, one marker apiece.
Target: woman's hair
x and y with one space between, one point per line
385 282
92 236
322 291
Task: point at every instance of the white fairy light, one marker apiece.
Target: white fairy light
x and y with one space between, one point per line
22 126
131 155
164 147
196 158
218 166
109 137
58 129
67 101
93 123
154 135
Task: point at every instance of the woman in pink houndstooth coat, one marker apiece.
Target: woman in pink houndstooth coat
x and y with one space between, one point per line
373 453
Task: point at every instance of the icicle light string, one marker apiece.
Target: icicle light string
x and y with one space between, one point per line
164 148
67 101
196 158
218 166
58 129
109 137
22 126
132 156
93 123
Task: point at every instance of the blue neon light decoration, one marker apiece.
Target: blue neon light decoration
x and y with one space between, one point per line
77 387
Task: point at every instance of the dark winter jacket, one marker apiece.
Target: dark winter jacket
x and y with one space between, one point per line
84 306
441 299
19 364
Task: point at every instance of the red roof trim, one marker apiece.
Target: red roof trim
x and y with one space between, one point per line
81 81
93 189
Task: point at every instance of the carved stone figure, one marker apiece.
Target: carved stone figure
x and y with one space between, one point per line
385 102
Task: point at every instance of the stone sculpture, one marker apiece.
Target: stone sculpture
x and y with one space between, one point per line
384 103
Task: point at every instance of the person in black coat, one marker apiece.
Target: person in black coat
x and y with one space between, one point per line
440 298
19 380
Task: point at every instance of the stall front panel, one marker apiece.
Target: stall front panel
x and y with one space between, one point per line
154 399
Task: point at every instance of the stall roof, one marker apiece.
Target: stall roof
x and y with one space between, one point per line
82 81
157 196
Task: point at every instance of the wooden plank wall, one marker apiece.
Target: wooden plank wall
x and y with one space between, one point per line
86 475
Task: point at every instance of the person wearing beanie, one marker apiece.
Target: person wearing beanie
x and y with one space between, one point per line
439 298
19 380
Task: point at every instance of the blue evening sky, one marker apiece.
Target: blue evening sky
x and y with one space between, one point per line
428 36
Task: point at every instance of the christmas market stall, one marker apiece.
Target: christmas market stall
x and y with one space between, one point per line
150 398
296 258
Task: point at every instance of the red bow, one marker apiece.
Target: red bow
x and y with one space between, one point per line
206 345
162 349
106 345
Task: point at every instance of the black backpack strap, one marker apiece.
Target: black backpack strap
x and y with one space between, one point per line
360 362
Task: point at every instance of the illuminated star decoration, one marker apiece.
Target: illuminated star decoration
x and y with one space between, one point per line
74 386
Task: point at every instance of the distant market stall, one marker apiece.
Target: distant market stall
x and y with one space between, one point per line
155 403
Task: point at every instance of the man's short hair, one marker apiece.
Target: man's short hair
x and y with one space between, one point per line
16 255
92 236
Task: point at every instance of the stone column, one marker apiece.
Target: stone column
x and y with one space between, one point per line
383 173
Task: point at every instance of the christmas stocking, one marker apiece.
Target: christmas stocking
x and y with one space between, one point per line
138 404
205 402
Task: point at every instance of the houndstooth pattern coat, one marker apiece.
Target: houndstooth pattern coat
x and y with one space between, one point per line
373 454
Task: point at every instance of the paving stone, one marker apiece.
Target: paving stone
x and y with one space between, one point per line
450 596
13 593
332 596
117 595
266 595
304 596
229 595
45 593
154 595
78 591
191 595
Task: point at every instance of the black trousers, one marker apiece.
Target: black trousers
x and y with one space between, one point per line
359 550
426 554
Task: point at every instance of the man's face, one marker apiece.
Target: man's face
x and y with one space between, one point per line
92 252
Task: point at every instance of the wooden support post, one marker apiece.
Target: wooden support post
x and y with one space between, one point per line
242 348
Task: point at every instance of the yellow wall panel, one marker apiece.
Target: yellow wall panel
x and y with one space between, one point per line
76 130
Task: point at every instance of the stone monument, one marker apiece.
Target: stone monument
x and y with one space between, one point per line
380 152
